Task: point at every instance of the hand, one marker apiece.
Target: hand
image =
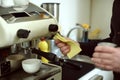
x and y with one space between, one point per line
107 58
63 47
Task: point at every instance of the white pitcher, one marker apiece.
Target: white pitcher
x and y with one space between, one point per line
7 3
20 5
0 2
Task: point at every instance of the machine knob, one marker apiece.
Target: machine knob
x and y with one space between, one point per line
22 33
53 27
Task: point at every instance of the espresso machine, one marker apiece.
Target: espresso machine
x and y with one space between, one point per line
19 29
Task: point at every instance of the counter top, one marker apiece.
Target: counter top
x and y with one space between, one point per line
68 72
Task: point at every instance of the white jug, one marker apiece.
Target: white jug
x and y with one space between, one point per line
20 5
7 3
0 2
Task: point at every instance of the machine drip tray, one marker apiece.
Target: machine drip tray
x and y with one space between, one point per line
70 73
46 72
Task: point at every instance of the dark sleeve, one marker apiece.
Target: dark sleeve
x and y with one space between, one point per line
115 29
88 48
115 23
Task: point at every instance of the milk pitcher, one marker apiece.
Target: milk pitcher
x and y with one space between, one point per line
6 3
20 5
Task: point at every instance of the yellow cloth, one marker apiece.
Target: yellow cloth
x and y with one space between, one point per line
75 48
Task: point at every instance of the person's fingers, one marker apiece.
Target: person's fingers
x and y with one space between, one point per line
65 49
102 55
65 52
60 45
107 58
57 41
102 61
102 66
105 49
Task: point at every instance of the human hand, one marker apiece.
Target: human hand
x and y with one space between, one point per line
107 57
63 47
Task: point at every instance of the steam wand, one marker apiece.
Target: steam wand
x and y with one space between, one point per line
53 58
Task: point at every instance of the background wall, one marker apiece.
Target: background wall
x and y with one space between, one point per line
101 12
71 12
96 13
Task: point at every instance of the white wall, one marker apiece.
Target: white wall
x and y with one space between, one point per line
71 12
101 16
81 11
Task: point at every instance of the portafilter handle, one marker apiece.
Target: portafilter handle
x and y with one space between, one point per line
53 58
50 56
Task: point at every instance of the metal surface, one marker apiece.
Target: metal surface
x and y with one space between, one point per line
53 8
46 72
34 19
30 14
80 37
96 77
29 9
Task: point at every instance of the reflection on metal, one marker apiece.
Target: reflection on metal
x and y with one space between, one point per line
84 37
53 8
96 77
